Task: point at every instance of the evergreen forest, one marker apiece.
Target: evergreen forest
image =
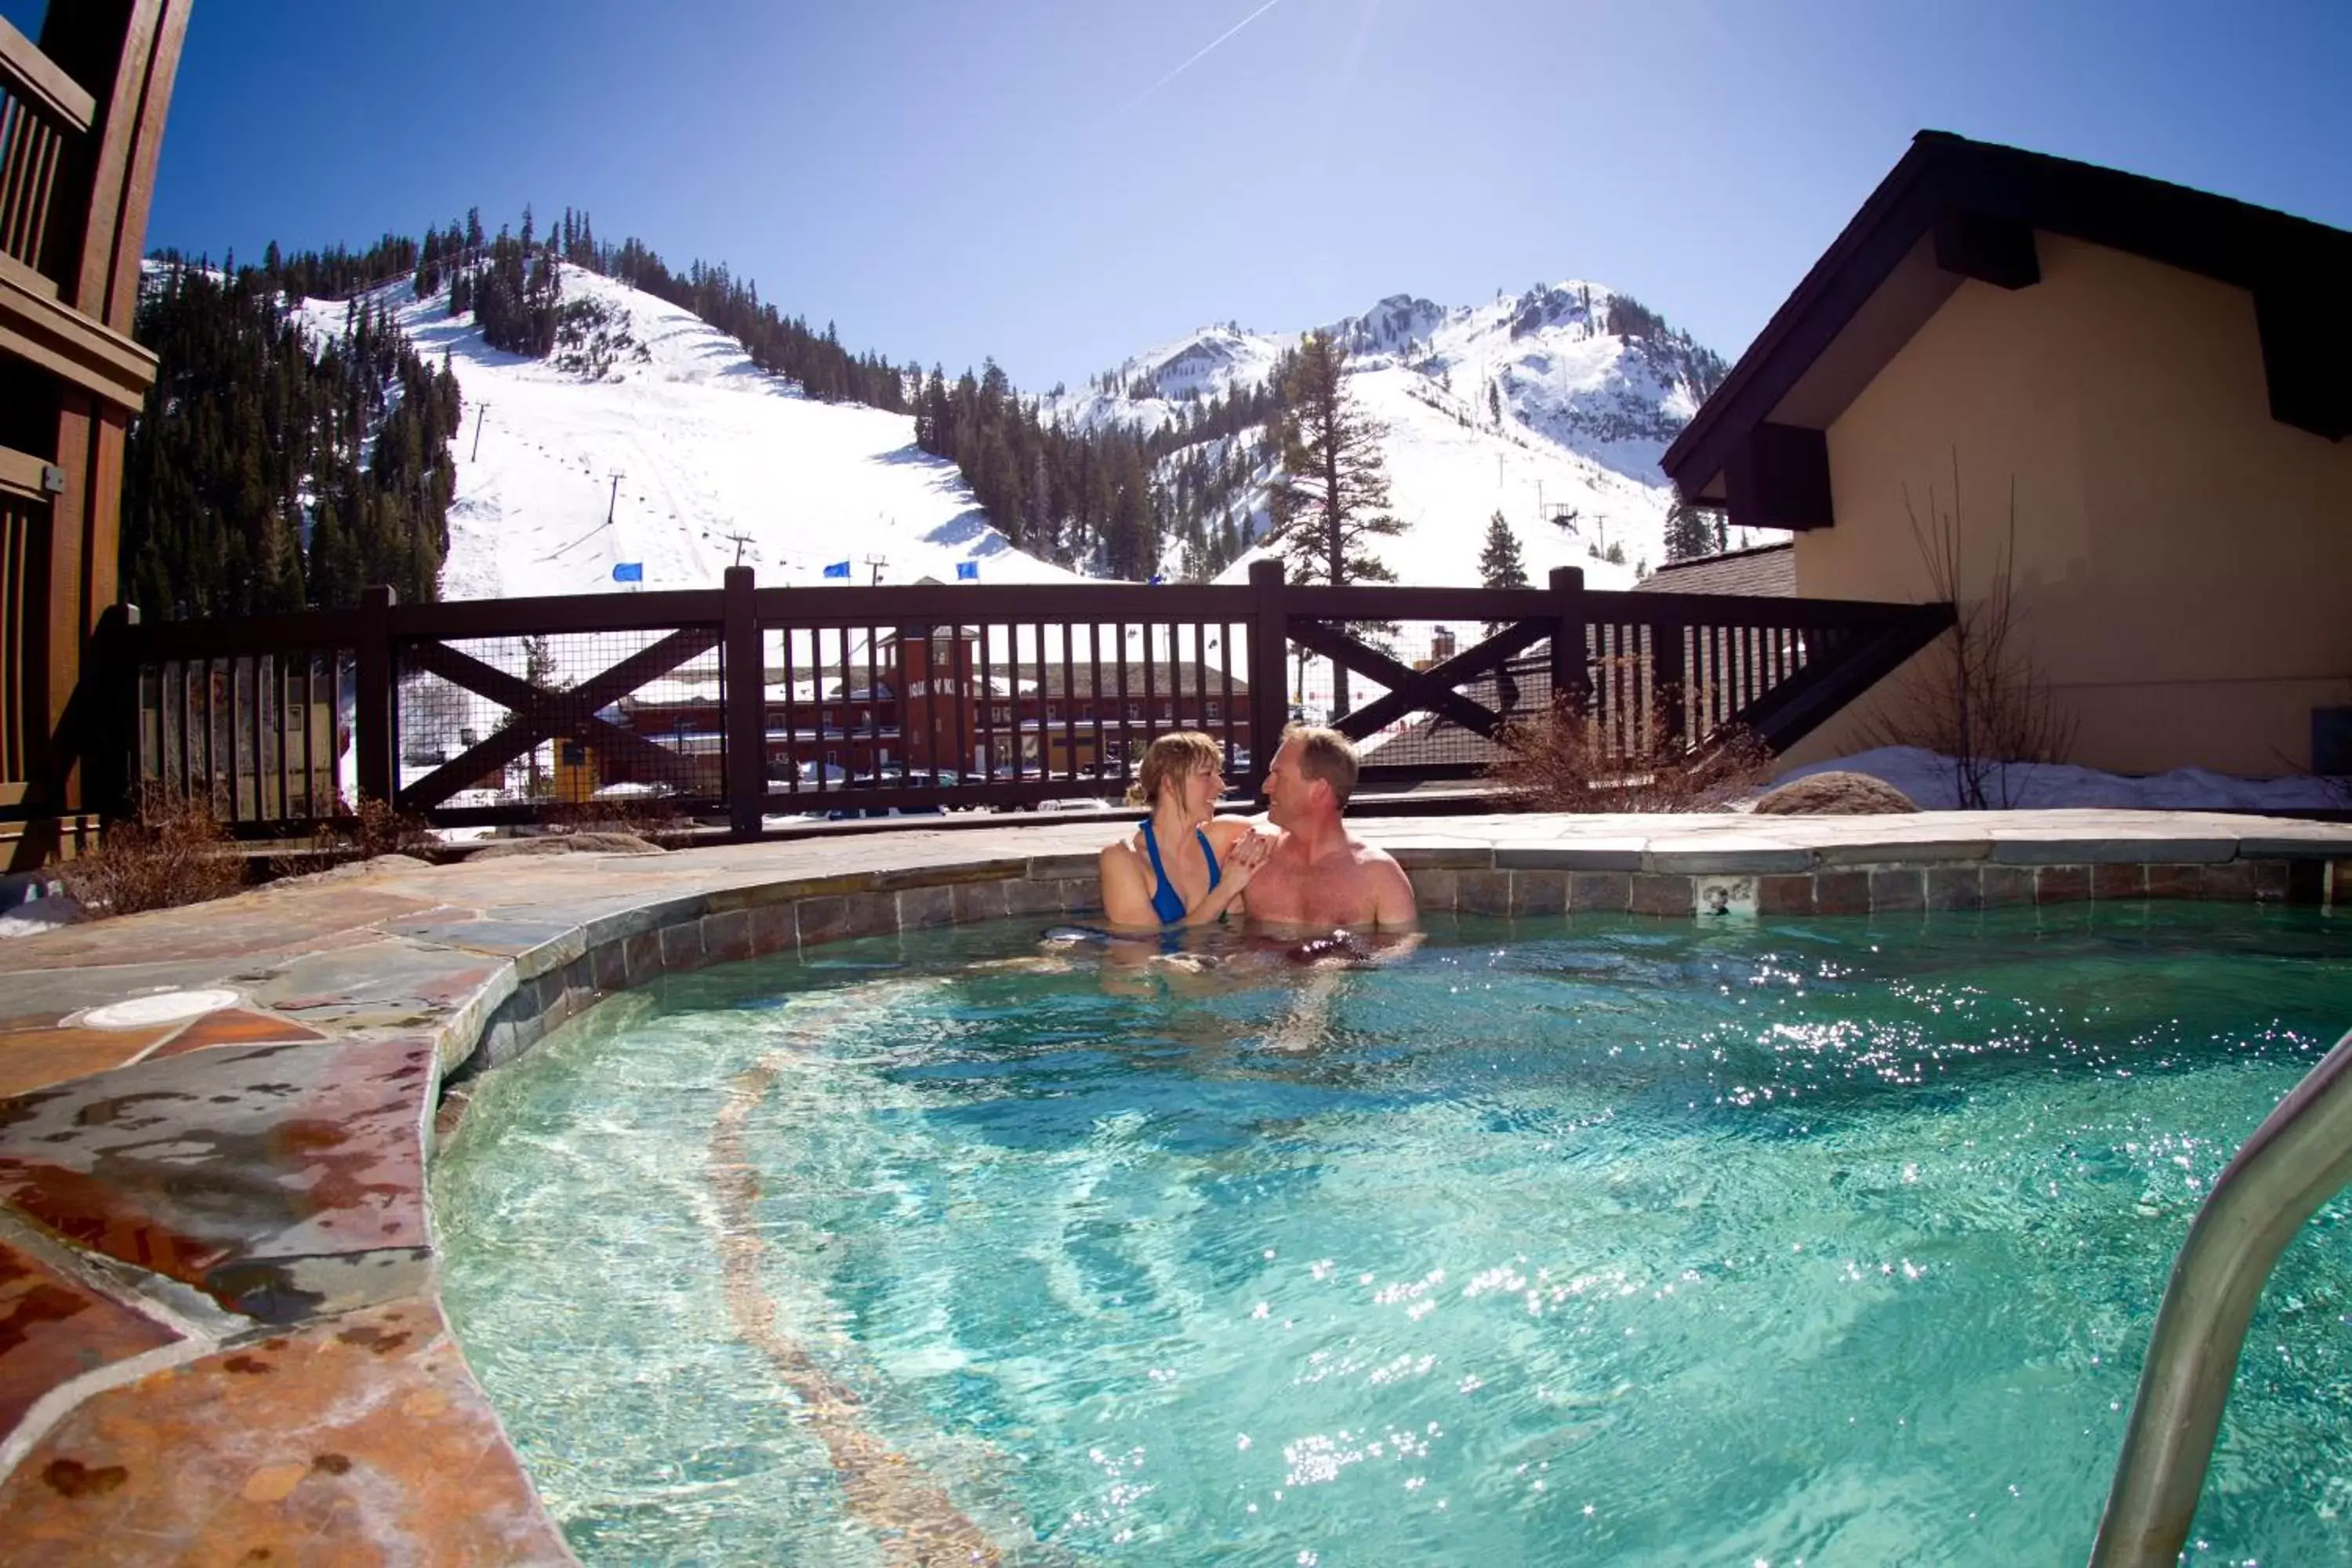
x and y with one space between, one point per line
267 473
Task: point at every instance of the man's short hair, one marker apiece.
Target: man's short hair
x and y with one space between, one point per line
1325 754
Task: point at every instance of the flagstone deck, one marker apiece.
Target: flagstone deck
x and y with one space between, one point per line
220 1338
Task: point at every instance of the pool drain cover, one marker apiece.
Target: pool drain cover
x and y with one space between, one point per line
165 1007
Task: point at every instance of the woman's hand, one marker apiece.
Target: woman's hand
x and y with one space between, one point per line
1243 856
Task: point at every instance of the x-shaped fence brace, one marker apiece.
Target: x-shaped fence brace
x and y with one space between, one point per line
541 714
1411 690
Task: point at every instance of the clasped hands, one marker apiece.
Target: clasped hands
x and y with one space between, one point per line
1245 856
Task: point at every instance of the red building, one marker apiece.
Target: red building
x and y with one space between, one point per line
927 703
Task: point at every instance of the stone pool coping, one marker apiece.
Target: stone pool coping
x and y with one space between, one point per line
220 1332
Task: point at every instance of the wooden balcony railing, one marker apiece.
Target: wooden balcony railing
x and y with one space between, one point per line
43 113
751 703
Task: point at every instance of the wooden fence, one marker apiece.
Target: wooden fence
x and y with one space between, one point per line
744 703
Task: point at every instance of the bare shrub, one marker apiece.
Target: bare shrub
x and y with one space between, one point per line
1976 697
172 852
362 832
650 817
1563 762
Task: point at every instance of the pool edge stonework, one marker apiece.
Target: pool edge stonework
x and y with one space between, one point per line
219 1318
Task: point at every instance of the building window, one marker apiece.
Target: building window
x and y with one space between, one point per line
1135 710
1004 715
1166 711
1052 710
1214 714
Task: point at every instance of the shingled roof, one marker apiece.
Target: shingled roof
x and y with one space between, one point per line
1762 571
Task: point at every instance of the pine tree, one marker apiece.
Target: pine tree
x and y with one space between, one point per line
1692 531
251 434
1500 564
1331 498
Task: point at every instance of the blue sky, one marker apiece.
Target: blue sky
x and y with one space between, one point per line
949 179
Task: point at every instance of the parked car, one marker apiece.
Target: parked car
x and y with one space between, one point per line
888 778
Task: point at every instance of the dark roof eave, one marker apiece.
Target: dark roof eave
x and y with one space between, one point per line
2215 235
1696 457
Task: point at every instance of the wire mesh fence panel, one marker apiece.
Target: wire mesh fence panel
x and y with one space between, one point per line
1452 724
563 720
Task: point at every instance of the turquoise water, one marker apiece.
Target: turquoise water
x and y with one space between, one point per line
1610 1240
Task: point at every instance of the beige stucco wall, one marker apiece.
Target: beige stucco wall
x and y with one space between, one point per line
2183 562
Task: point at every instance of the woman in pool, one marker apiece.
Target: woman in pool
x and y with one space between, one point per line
1183 866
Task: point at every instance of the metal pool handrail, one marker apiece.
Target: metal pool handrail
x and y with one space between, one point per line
2297 1160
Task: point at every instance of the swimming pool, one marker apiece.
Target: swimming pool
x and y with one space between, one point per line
1601 1240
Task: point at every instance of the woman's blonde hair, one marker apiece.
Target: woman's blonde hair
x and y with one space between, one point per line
1174 756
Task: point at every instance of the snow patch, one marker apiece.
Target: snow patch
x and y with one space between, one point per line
1930 780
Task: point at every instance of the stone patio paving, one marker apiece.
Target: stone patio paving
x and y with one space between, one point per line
220 1336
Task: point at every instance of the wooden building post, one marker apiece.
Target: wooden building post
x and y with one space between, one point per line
81 124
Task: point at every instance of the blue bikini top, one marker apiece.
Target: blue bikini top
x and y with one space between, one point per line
1166 901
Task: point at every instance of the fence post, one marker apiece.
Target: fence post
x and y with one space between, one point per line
1571 678
747 711
111 738
1668 683
373 741
1269 640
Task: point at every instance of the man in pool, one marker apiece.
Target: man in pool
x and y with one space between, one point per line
1320 877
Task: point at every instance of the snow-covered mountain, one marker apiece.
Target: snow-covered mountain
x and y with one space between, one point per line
708 446
1551 406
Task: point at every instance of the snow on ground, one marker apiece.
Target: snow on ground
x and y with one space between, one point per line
1931 783
708 446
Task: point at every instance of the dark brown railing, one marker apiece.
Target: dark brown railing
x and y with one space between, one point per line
747 703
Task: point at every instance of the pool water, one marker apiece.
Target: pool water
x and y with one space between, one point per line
1591 1241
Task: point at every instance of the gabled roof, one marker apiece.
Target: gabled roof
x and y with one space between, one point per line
1953 209
1760 571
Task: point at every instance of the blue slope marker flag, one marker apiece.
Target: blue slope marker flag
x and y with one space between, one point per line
967 570
838 569
1155 581
628 571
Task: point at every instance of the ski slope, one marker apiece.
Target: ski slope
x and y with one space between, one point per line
706 445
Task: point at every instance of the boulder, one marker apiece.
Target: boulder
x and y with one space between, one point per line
1833 795
590 843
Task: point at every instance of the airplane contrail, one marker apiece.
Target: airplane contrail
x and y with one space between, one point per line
1196 53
